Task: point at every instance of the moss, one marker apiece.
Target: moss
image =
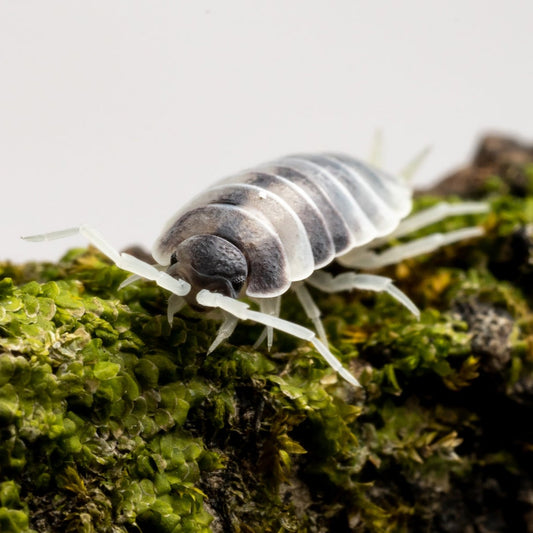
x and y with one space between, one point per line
111 420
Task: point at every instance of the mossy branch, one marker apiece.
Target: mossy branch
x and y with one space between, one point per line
111 420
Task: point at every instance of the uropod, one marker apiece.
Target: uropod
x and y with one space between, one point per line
272 228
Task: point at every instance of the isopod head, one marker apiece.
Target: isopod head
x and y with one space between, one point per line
209 262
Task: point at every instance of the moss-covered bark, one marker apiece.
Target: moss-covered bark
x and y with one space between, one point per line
110 420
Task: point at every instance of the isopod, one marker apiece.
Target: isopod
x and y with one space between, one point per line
272 228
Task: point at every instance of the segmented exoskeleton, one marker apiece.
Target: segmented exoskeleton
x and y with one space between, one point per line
269 229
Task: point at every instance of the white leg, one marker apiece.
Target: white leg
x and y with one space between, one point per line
242 311
270 306
369 260
122 260
260 339
376 150
129 280
429 216
311 309
175 305
350 280
226 329
410 169
135 277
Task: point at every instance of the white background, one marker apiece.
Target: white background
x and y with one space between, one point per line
115 112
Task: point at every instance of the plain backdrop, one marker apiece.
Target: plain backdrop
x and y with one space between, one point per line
116 112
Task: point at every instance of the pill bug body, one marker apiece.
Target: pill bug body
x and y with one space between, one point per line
292 216
263 231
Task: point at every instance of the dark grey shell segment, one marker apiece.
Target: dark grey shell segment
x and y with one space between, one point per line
292 216
267 262
394 192
361 187
266 205
348 209
336 225
307 211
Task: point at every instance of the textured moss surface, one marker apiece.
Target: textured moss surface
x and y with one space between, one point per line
112 421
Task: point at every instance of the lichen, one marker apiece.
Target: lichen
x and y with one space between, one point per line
113 421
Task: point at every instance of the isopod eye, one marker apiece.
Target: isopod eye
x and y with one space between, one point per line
209 262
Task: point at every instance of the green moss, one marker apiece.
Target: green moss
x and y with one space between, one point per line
111 420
